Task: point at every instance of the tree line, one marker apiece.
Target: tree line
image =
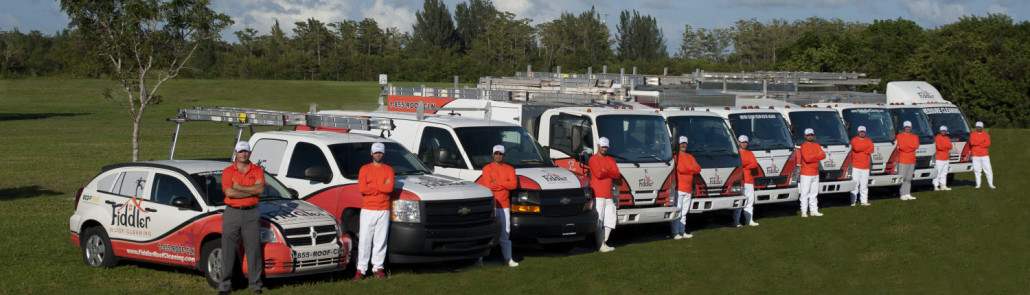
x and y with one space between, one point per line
980 63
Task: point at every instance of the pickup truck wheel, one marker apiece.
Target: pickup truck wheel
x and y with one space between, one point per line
96 248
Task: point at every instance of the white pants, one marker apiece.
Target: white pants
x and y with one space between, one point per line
375 225
808 186
683 201
983 164
605 213
861 190
942 173
749 205
504 217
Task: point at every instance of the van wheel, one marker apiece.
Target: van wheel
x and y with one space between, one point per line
211 262
96 248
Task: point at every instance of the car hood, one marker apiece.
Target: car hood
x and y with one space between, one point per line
440 188
294 213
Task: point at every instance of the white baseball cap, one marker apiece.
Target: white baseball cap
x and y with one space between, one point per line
683 139
944 128
809 131
499 149
979 124
742 138
378 148
242 146
906 124
603 141
861 128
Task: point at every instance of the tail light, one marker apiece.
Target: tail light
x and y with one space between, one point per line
78 197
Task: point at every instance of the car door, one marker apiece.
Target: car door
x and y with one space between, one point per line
172 208
126 204
438 149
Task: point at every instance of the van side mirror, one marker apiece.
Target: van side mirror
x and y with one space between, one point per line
318 173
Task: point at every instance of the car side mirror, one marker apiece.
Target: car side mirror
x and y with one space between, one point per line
318 173
293 193
182 202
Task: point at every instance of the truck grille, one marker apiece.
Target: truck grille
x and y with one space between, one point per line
562 202
302 236
924 162
772 181
831 175
459 212
709 191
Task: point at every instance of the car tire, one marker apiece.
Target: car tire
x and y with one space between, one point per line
96 248
211 262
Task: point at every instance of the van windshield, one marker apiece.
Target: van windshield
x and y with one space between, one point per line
958 126
636 138
828 127
766 131
520 150
877 123
351 156
920 125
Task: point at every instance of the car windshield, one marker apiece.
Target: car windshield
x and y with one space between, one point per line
636 138
520 150
877 123
707 136
210 184
828 127
766 131
958 127
351 156
920 126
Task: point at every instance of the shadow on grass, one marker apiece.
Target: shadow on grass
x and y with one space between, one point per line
34 116
8 194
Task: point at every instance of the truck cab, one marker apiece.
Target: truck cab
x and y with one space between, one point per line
773 146
920 127
719 184
880 129
834 171
939 112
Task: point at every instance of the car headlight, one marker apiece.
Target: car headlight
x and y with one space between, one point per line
268 235
406 211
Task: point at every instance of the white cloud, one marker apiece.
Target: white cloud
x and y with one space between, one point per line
390 16
998 8
792 3
518 7
934 12
262 14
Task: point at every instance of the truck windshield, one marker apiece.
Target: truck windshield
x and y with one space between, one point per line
920 125
709 140
351 156
210 185
828 127
877 123
636 138
520 150
766 131
958 127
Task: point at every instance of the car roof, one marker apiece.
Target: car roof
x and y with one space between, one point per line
183 166
323 137
442 119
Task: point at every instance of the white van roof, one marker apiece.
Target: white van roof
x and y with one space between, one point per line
912 92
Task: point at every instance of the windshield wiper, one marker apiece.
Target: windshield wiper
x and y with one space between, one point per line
534 161
624 159
657 158
412 172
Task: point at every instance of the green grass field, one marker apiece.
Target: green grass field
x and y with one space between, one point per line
57 134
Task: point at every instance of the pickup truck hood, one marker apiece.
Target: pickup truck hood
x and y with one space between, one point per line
294 213
551 177
439 188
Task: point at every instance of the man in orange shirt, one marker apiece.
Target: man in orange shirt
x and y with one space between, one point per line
500 179
943 159
808 185
602 171
748 163
242 184
979 141
908 143
861 148
375 182
686 168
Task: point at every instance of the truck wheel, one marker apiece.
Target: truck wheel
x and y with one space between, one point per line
557 247
96 248
211 262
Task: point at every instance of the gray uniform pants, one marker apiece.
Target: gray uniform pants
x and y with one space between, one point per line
236 222
907 171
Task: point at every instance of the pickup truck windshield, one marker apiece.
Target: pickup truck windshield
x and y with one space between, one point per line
765 131
709 140
920 125
520 150
877 123
958 127
351 156
636 138
828 127
211 186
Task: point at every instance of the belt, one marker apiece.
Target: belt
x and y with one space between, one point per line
243 207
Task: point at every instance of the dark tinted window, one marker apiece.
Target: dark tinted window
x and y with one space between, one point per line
877 122
351 156
306 155
438 148
562 129
636 138
828 127
166 188
920 125
521 151
765 131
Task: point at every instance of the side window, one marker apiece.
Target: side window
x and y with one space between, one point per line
166 188
132 184
306 155
437 148
561 136
268 153
106 184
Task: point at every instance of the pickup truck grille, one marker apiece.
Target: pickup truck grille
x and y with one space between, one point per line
562 202
302 236
459 212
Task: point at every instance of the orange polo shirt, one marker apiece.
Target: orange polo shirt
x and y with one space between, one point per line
908 143
861 148
500 179
943 147
686 167
603 170
375 184
253 174
748 163
811 154
979 142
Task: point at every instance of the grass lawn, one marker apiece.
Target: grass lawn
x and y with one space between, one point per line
57 134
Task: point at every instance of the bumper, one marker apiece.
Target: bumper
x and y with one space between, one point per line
284 261
553 229
414 243
957 167
883 180
631 215
833 187
699 205
776 195
925 174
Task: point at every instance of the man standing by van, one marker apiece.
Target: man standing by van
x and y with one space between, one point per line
908 143
375 182
242 184
808 186
602 171
749 164
943 143
686 168
979 141
500 179
861 148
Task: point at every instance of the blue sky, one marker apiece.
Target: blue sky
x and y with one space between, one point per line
46 16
